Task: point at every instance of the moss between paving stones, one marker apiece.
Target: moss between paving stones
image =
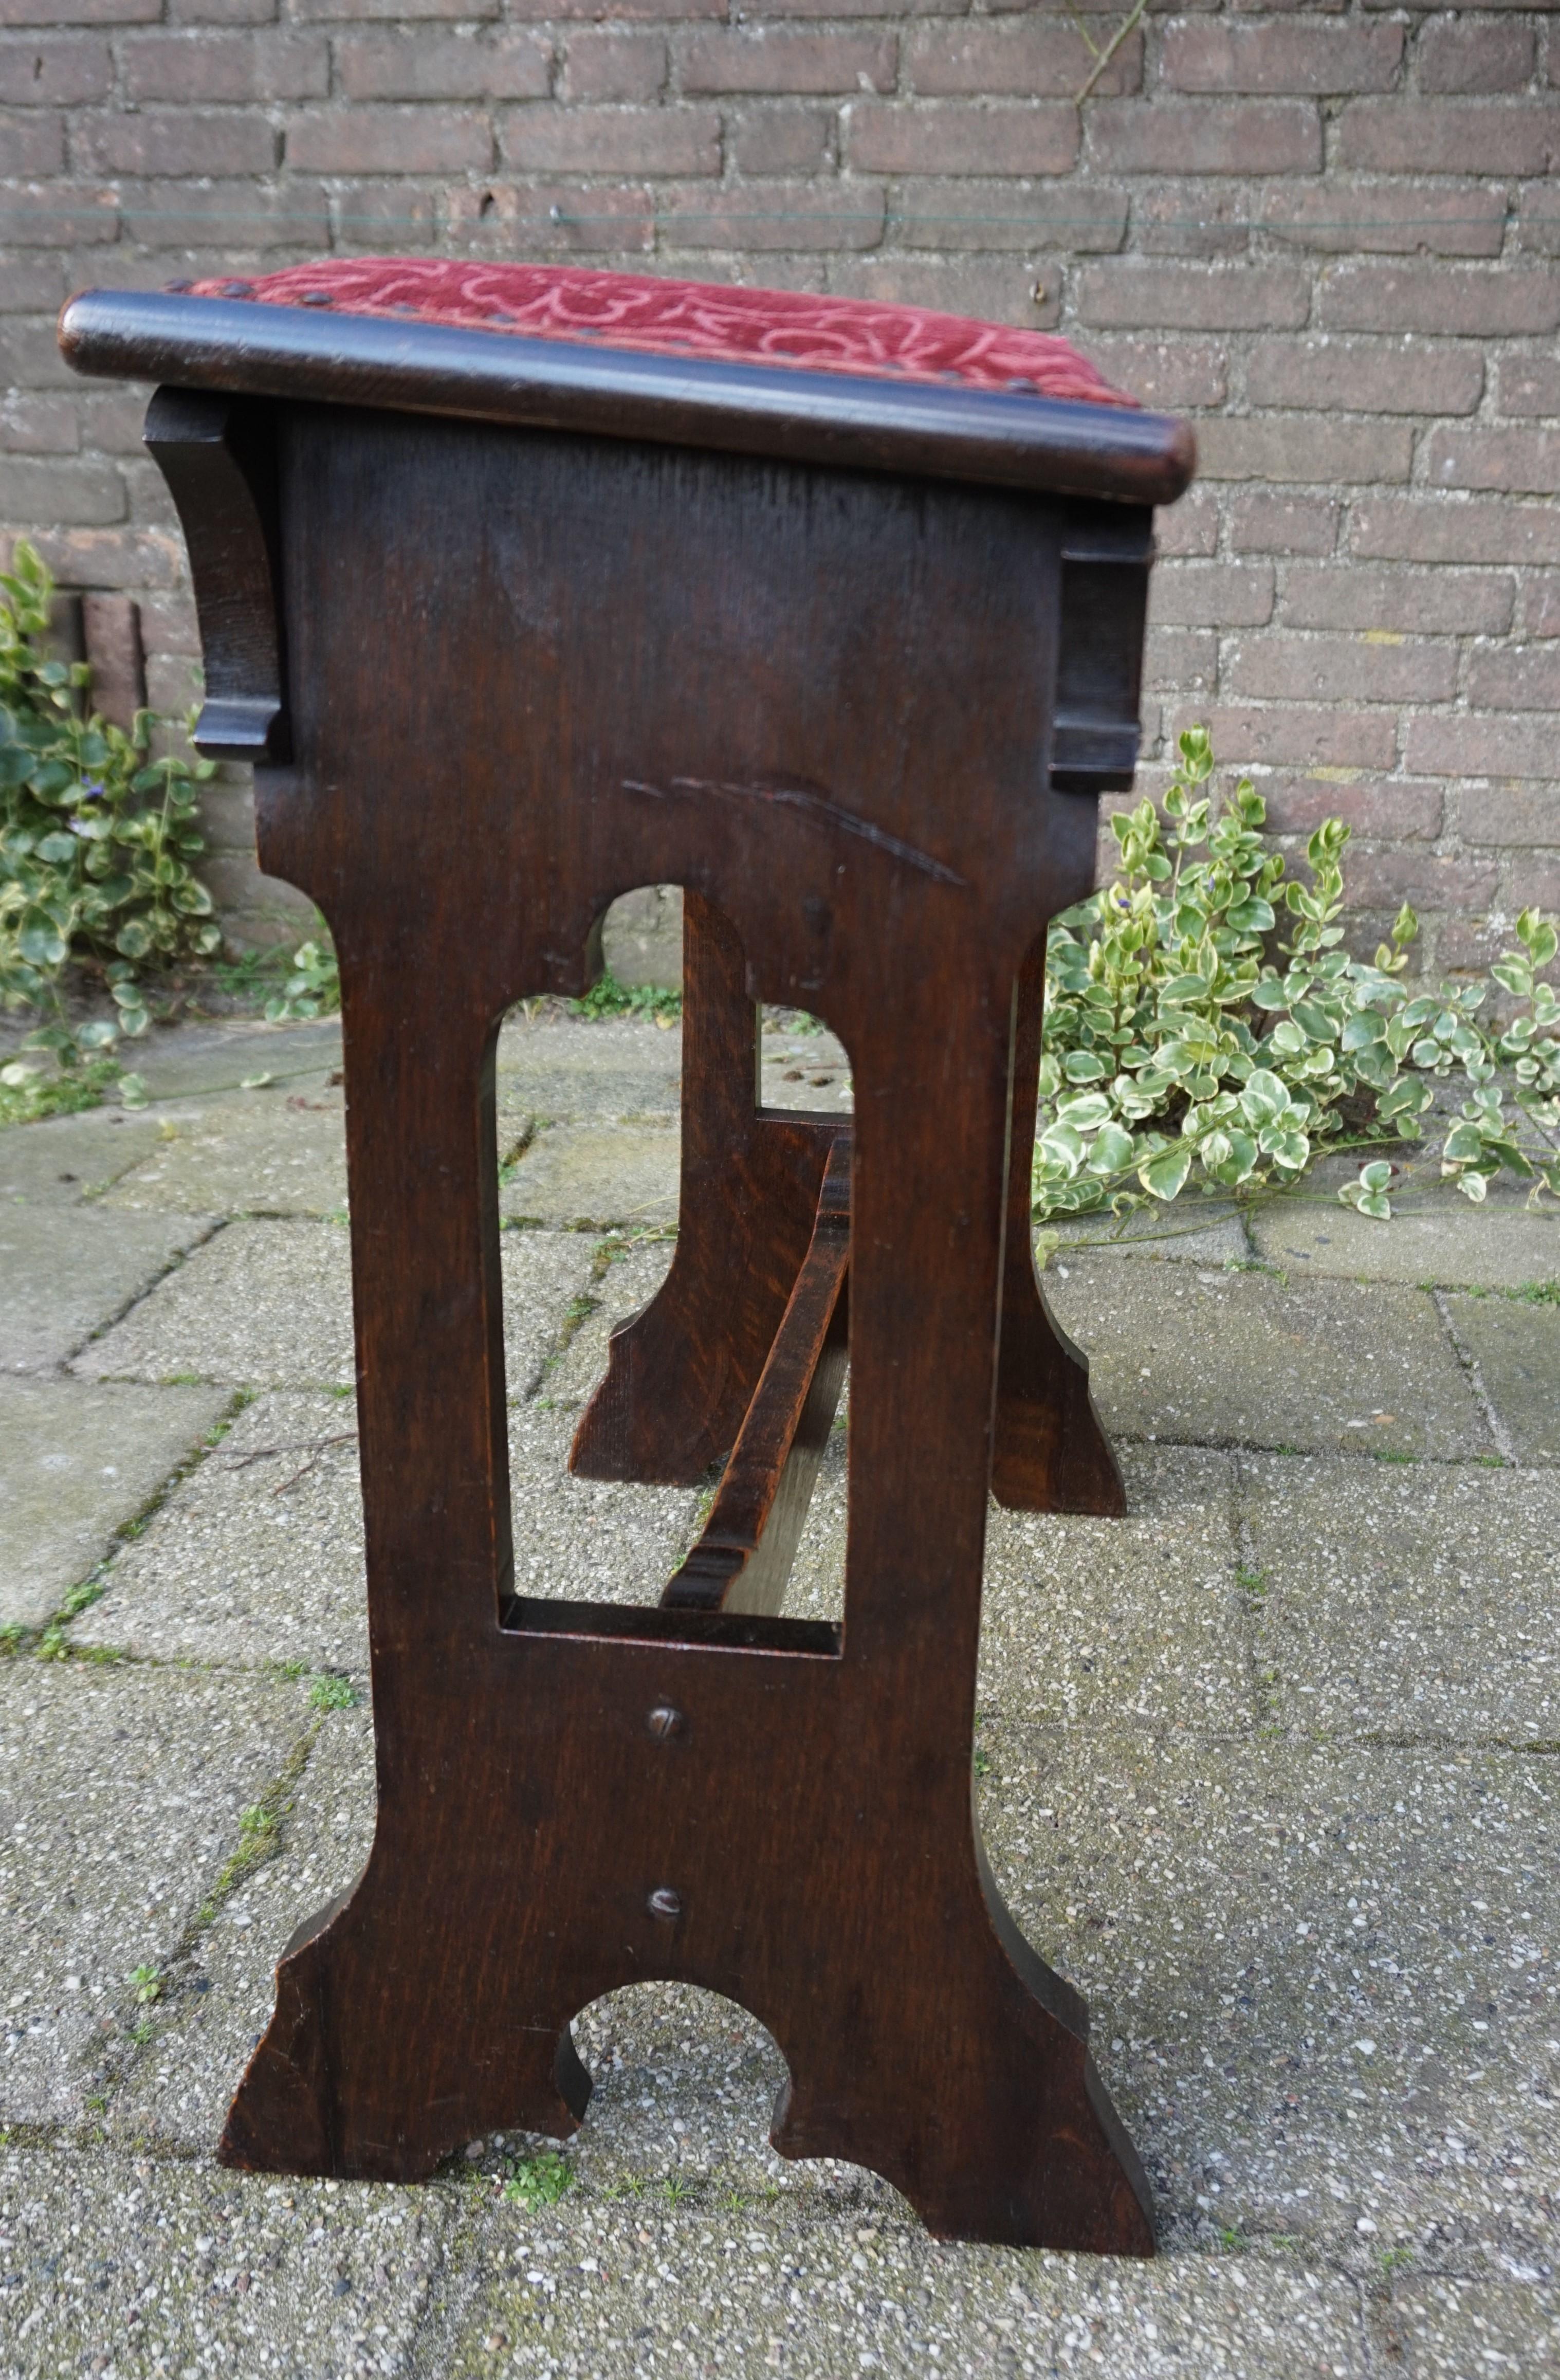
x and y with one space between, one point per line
121 1791
79 1459
270 1305
1517 1348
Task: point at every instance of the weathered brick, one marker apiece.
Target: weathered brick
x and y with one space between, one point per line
113 420
1383 879
1468 747
383 213
1182 661
1433 603
993 291
1129 136
549 220
63 71
60 494
1212 594
30 285
1192 297
1386 218
1439 299
174 140
1273 524
80 12
1529 384
1314 448
1192 217
1191 526
1282 668
1412 528
611 141
169 623
29 356
40 424
227 66
444 65
112 557
223 12
1392 809
1463 136
1529 880
787 61
1072 217
1518 814
949 136
182 215
1473 54
1044 57
609 65
388 140
843 9
57 214
782 139
1540 608
1317 735
368 11
1523 462
783 215
616 12
1207 54
31 143
1366 375
1516 677
1538 220
1171 375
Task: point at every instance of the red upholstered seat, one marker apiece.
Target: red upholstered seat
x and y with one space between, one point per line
687 318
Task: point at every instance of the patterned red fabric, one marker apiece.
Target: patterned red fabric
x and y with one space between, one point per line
685 318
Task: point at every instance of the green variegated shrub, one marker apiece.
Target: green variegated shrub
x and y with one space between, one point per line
96 835
1204 1025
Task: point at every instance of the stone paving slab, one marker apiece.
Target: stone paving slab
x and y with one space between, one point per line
120 1795
596 1177
1194 1231
1140 1620
77 1460
1435 1234
1450 2328
266 1152
809 1071
144 2269
69 1271
1233 1358
1413 1599
258 1557
176 2088
1325 1979
189 1061
62 1159
830 2285
1517 1348
270 1304
589 1540
579 1070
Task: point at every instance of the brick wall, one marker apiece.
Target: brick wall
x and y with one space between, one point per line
1329 231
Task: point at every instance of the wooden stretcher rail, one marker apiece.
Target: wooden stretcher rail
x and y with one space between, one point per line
742 1560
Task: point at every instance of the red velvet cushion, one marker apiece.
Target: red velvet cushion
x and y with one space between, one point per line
687 318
